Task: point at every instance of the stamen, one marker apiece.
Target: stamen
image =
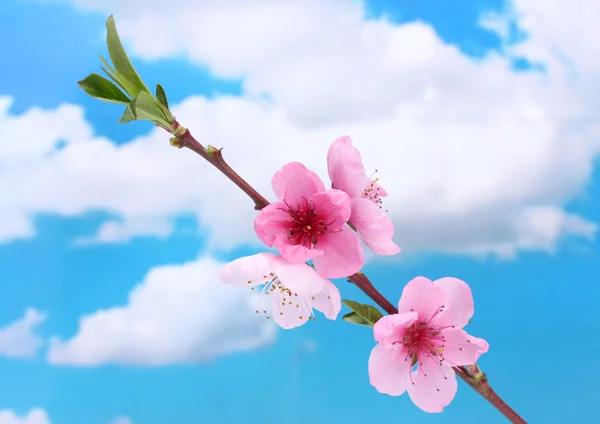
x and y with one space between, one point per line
371 192
424 341
275 286
306 225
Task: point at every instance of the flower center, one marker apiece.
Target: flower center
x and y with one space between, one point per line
306 224
423 341
371 192
274 291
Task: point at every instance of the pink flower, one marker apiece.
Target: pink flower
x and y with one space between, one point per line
426 332
347 173
310 223
290 291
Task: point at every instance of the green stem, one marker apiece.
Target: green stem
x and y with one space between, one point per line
471 374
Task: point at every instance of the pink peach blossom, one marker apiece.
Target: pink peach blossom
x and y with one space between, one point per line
347 173
289 292
420 344
309 223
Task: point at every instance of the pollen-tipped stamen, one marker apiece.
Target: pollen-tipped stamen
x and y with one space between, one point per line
371 192
305 225
289 298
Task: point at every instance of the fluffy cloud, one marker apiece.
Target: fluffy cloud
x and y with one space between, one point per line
476 157
34 416
18 339
178 314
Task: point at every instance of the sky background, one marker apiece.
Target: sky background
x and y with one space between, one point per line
481 118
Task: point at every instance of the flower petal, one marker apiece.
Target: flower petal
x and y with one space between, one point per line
333 207
390 327
249 271
328 300
377 189
374 226
388 371
271 225
433 386
462 349
289 312
300 278
422 296
343 254
294 182
459 307
345 167
297 253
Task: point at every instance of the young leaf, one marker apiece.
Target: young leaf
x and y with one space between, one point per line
119 58
354 318
161 96
145 108
363 314
119 79
128 115
99 87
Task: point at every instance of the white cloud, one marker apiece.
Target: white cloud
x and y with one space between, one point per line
115 231
476 157
18 339
178 314
34 416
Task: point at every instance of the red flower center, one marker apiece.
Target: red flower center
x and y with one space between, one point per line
423 341
306 224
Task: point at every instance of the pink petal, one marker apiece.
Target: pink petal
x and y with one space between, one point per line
388 371
345 167
459 307
270 224
272 229
334 208
390 328
328 300
434 386
422 296
374 226
300 278
297 253
343 254
294 183
249 271
288 315
379 190
462 349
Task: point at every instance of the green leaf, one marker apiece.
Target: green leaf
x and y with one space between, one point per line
145 108
128 115
161 96
120 60
363 314
99 87
354 318
119 79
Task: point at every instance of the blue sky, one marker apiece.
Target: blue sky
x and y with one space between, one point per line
534 280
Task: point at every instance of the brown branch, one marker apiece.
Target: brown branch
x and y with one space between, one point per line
215 157
470 374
